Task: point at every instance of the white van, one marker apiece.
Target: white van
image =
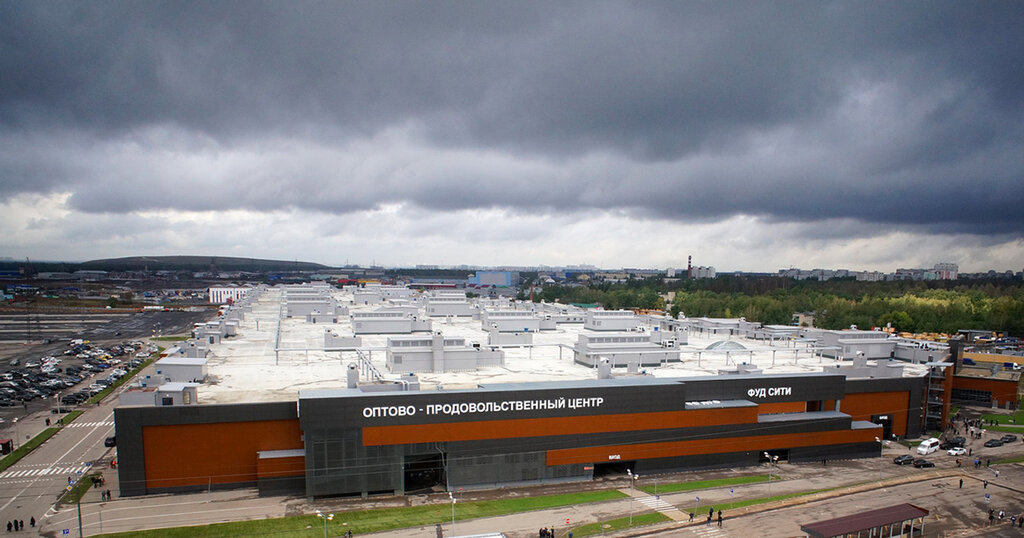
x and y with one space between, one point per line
928 446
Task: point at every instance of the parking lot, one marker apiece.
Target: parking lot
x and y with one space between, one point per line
82 354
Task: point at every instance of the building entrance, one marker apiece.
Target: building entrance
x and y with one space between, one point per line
613 468
423 473
885 421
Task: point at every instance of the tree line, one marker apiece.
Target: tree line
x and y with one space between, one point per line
912 306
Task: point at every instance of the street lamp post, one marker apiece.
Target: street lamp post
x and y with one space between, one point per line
881 444
632 486
452 497
326 518
772 461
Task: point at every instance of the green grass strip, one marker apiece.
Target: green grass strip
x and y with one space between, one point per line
1013 418
674 487
77 491
382 519
641 520
127 377
171 338
24 449
725 507
1017 459
1006 429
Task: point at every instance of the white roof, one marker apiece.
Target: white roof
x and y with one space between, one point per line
246 368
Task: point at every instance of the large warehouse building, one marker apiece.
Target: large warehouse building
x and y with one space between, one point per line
352 442
288 410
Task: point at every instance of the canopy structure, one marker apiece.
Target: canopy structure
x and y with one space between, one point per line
881 522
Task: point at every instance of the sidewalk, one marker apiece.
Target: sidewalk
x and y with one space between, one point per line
28 426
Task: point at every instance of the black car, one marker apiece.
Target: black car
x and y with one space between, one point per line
993 443
919 463
952 443
110 441
903 460
1009 438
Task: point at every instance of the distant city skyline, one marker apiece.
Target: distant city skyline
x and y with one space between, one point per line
752 136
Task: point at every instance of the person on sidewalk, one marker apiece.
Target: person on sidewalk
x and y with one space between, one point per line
719 518
961 483
708 524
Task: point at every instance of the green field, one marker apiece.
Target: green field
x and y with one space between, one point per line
674 487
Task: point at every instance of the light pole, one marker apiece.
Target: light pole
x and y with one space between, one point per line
880 446
452 497
772 460
326 518
632 486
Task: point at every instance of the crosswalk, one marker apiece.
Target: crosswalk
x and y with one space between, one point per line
655 503
54 470
90 424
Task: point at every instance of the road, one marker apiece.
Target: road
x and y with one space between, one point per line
31 486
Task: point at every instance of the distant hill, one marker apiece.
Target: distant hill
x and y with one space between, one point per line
198 263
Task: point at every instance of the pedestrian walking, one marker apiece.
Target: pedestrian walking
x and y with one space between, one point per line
691 517
961 483
10 526
21 524
711 512
708 524
32 521
719 518
984 484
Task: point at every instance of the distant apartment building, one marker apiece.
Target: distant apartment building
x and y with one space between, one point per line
703 272
941 271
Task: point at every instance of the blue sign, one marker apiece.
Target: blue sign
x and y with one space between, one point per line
66 531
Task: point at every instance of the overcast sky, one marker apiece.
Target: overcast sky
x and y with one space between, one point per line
753 136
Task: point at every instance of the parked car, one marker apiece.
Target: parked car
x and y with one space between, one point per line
920 463
991 443
903 459
951 443
1009 438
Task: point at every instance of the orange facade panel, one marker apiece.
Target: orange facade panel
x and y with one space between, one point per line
696 447
218 453
541 427
861 406
1003 390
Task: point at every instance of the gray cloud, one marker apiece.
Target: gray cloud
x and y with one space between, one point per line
904 115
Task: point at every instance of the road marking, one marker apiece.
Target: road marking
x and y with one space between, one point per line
90 424
655 503
23 490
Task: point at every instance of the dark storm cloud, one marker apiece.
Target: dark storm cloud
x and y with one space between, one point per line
906 114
